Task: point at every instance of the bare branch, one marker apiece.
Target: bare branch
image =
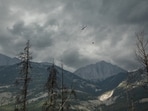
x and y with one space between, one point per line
23 81
141 52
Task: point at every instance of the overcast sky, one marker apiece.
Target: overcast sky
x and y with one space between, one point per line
54 28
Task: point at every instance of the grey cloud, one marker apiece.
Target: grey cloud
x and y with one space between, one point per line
119 11
111 25
4 11
110 19
127 63
73 58
18 28
36 6
39 37
115 12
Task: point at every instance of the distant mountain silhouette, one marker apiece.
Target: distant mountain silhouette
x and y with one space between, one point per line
5 60
99 71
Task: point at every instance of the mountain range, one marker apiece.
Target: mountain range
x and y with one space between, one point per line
100 86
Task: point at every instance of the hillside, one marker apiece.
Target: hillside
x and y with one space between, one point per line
109 93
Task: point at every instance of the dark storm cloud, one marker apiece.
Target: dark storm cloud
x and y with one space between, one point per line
125 11
109 12
33 32
54 28
19 29
16 27
73 58
113 20
110 17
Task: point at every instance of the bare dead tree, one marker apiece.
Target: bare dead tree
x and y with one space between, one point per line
142 52
24 79
58 98
129 95
65 94
62 94
51 86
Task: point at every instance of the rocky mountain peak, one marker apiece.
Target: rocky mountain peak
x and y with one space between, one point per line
99 71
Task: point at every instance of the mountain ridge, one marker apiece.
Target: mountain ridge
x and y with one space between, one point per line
6 60
99 71
87 91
